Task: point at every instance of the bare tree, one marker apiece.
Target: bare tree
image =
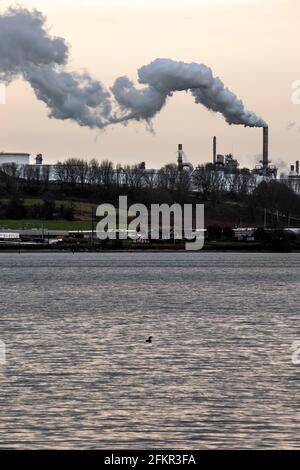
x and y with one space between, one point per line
168 177
11 174
106 171
134 176
93 176
208 181
31 173
12 169
60 172
151 179
82 168
45 173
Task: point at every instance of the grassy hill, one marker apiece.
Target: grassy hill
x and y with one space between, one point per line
226 212
27 224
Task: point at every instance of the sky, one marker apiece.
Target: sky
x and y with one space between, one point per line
252 45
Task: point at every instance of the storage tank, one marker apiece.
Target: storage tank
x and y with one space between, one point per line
18 158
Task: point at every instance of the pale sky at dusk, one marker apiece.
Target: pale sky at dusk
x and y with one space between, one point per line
252 45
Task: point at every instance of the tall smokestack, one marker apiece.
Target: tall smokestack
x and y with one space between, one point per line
214 150
265 147
180 159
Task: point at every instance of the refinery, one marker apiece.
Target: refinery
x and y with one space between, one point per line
225 165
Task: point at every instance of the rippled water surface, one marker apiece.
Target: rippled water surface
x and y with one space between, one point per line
218 374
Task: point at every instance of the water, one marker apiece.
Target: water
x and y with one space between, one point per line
218 374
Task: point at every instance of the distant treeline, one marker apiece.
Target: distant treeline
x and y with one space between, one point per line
101 181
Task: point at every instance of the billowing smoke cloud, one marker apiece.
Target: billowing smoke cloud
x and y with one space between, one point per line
70 96
24 42
165 76
27 50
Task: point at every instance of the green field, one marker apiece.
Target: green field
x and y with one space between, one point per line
81 206
46 224
83 209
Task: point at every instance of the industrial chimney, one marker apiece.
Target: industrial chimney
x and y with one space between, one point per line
180 158
265 148
297 167
214 150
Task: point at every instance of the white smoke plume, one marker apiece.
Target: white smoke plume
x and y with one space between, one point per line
27 50
25 42
281 166
70 96
165 76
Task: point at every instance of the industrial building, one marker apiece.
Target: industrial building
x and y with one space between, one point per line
228 164
17 158
225 164
293 178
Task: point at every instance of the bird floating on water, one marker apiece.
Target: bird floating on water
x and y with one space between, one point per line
149 340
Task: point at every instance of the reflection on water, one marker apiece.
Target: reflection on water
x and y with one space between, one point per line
218 373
